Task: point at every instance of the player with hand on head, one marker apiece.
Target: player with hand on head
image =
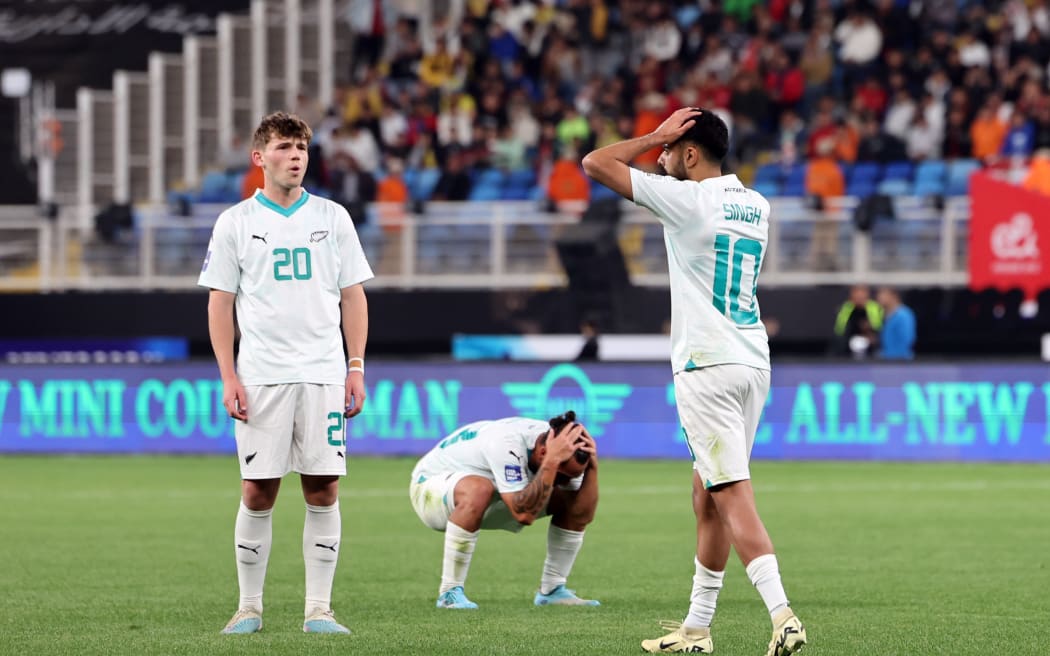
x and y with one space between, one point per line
505 474
292 266
716 232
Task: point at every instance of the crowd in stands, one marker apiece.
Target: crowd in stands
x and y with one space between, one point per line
500 99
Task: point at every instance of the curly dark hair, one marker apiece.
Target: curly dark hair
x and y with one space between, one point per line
280 124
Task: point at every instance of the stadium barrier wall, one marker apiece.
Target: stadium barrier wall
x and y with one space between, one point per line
980 412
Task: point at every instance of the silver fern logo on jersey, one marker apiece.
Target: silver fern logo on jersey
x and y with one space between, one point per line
318 235
565 387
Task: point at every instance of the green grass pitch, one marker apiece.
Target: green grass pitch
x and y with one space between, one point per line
134 556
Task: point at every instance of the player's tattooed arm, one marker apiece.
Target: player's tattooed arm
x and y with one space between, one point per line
534 498
528 503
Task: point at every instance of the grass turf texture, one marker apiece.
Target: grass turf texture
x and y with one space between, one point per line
134 556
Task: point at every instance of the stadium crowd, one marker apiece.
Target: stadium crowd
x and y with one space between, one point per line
499 99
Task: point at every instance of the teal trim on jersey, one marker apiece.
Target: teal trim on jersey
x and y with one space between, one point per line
690 365
283 211
708 485
421 478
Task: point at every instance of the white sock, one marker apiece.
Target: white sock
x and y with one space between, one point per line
562 547
252 537
322 533
706 586
459 547
765 575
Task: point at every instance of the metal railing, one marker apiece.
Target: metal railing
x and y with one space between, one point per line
498 245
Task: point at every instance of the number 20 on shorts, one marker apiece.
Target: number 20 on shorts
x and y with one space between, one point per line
336 432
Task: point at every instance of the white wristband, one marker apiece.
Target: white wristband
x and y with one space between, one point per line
361 369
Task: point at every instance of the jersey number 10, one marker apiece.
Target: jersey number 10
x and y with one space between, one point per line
730 276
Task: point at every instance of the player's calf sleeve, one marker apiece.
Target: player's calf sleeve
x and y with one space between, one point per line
706 586
764 573
253 535
322 533
562 547
459 548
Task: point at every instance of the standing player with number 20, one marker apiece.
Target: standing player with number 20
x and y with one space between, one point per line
292 266
716 232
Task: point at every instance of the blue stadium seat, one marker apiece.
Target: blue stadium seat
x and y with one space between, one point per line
895 187
521 178
794 188
768 173
865 173
959 176
796 175
860 188
898 171
519 184
490 178
425 181
235 181
214 188
933 169
411 178
515 193
485 189
601 192
767 188
930 187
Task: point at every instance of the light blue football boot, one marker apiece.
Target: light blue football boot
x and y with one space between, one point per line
562 596
245 620
323 621
455 598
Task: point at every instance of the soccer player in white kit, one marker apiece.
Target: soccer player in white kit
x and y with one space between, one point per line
505 474
292 265
716 232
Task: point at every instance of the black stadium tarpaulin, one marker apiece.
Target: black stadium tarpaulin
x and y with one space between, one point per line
79 43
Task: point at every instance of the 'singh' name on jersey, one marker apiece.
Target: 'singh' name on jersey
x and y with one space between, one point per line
745 213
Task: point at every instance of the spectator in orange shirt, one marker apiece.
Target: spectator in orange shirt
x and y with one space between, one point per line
567 181
824 180
1038 178
650 111
847 142
392 188
253 180
391 196
987 133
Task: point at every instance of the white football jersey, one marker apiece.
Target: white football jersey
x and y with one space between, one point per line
497 450
287 267
716 232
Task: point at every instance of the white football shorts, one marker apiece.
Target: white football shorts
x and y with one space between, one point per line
292 427
720 407
433 500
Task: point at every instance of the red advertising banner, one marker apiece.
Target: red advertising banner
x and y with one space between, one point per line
1009 236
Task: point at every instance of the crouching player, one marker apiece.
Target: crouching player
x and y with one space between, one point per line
505 474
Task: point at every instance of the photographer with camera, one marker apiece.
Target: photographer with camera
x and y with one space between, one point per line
505 474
